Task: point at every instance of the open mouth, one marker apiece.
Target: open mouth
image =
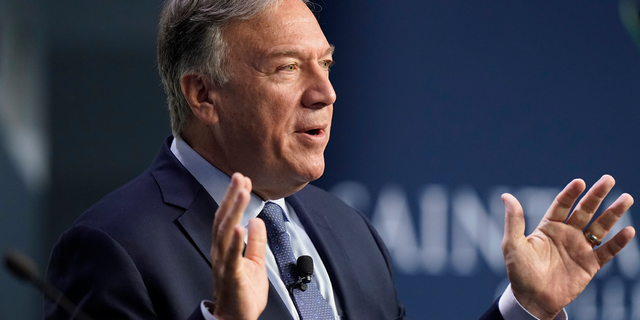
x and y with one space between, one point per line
313 132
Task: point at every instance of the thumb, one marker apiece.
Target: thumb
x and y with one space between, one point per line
256 241
513 222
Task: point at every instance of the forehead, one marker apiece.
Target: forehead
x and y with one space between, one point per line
289 25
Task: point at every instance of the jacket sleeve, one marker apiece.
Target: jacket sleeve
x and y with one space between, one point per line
493 313
387 258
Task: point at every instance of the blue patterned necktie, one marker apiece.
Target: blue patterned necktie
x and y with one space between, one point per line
310 303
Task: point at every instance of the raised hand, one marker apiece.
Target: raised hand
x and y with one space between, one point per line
551 267
241 283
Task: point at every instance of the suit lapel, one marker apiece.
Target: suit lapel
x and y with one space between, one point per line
197 220
344 278
179 188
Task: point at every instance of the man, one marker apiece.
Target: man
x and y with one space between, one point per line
251 106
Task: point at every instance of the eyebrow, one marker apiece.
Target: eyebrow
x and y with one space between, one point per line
293 52
331 50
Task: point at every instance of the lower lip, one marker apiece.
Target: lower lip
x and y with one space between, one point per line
320 136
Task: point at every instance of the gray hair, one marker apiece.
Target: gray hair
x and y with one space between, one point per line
190 41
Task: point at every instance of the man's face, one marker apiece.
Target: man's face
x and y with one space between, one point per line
275 112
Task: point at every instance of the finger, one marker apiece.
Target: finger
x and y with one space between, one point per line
256 241
227 201
233 258
225 229
610 249
559 209
589 204
239 207
248 184
514 224
600 228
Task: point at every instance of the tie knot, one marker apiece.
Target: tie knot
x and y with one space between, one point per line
273 218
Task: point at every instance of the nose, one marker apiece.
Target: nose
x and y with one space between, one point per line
319 92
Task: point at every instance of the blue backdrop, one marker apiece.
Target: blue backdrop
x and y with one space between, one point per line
442 106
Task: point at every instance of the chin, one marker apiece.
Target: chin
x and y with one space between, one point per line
314 173
310 170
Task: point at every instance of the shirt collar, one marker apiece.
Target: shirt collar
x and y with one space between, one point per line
215 181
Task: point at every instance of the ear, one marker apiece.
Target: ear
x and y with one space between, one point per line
196 89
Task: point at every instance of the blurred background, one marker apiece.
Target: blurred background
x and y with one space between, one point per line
442 106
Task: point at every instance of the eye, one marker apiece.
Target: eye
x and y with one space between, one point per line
288 68
326 64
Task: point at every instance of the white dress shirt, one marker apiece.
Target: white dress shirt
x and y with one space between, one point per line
216 183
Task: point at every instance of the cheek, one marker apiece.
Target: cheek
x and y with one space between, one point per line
276 109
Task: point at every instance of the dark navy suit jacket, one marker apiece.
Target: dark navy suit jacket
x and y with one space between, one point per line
142 252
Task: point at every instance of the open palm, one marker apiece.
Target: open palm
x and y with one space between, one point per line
551 267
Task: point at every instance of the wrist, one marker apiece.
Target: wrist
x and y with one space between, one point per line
533 307
211 307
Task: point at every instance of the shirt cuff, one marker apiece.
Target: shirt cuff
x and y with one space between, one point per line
205 311
511 309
